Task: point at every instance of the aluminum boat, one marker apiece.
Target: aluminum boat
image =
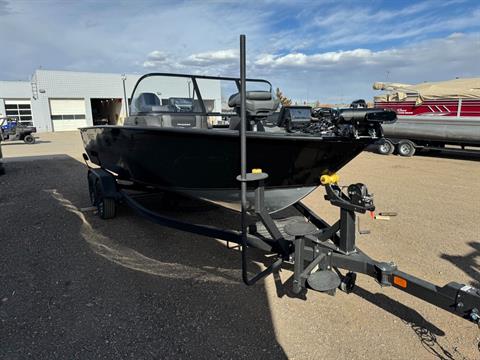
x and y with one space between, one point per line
171 141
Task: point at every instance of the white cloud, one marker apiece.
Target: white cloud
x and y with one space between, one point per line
156 59
346 75
212 58
157 56
316 60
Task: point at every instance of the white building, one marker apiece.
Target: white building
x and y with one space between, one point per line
66 100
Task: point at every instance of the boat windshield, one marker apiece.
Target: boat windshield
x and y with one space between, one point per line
168 93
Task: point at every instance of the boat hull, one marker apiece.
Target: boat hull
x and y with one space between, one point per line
444 121
205 163
443 129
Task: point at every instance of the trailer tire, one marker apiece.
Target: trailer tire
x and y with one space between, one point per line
29 139
92 191
106 206
387 148
406 148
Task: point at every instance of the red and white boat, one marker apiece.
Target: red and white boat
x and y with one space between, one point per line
431 114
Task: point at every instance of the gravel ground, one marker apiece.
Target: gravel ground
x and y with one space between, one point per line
75 287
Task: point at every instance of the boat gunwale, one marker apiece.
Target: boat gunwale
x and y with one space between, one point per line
231 133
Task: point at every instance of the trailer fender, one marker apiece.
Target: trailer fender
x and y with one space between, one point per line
106 181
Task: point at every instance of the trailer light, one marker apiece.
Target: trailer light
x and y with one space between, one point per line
400 282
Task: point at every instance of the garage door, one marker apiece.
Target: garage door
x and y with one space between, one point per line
20 109
67 114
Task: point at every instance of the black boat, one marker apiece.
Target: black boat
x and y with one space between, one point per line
171 140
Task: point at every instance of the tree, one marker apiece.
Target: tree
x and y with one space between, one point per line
282 98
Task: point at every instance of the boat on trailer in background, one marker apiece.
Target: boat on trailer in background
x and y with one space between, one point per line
430 115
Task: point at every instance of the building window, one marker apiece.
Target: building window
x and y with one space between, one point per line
68 117
22 112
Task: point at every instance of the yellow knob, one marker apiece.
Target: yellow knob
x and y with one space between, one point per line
257 171
329 179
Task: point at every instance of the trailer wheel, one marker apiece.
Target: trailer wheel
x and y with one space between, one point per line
29 139
106 206
348 282
92 191
387 148
406 148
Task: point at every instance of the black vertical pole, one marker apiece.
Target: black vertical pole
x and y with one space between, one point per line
243 174
243 125
243 157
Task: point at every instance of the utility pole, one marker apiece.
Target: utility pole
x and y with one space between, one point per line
124 78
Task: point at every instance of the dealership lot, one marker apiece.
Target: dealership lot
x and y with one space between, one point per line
74 286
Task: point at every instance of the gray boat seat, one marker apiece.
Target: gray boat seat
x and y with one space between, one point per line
146 102
259 103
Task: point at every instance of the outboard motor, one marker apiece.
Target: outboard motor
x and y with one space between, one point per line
363 122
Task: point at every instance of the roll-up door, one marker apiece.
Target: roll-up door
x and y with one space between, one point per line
67 114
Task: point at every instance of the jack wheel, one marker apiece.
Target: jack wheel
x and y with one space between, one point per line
406 148
348 282
29 139
387 148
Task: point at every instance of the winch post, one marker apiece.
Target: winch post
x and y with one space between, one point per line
360 202
347 231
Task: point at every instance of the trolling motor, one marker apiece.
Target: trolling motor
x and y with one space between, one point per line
357 122
362 122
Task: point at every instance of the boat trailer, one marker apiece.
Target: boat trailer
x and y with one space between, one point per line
318 251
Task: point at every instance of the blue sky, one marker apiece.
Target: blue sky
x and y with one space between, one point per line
327 50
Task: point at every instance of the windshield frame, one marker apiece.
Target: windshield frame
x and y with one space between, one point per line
196 92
